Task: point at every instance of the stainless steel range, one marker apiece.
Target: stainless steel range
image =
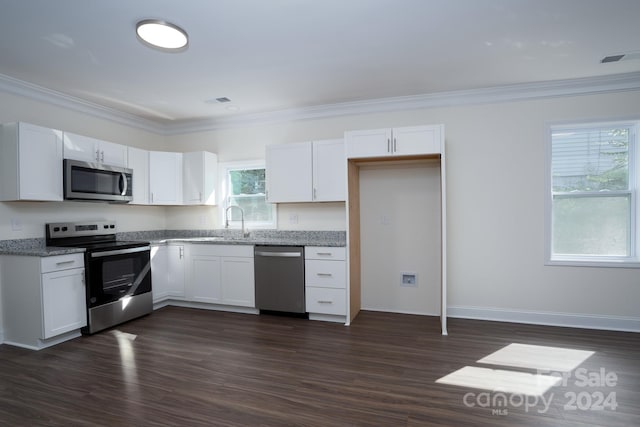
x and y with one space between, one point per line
117 273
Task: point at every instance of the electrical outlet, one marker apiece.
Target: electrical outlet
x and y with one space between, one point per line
409 279
293 218
385 220
16 224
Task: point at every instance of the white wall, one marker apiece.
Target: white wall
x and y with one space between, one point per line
400 229
32 216
496 163
495 194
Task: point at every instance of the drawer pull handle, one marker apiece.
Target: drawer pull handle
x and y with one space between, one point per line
324 274
65 262
325 302
325 253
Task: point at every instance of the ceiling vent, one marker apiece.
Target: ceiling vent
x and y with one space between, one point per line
612 58
621 57
223 99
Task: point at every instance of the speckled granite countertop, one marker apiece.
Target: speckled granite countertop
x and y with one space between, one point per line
234 237
36 246
33 247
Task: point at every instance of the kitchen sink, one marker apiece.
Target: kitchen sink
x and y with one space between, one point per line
206 239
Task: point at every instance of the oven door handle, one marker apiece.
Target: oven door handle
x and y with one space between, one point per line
120 252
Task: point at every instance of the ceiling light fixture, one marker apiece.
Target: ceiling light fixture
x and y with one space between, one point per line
162 35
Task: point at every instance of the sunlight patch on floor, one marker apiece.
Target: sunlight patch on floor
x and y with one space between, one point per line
501 381
538 357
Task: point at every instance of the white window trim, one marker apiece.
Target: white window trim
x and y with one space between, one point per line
223 169
632 261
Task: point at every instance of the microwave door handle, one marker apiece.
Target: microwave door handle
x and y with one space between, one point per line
123 183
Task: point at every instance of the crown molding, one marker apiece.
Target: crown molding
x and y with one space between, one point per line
38 93
509 93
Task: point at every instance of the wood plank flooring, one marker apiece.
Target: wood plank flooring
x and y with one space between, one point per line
187 367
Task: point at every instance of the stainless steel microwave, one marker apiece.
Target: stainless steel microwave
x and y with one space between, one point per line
97 182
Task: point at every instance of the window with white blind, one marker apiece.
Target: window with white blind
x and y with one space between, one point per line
592 202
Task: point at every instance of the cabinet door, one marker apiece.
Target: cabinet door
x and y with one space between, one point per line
138 160
79 147
329 171
289 173
204 279
165 178
175 262
113 154
417 140
40 163
368 143
200 169
193 178
238 284
159 273
63 302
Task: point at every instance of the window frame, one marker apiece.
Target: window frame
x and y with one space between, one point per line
631 261
223 200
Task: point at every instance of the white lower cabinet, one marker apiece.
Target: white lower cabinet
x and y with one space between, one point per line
220 274
204 279
326 300
63 298
238 281
167 272
326 282
44 299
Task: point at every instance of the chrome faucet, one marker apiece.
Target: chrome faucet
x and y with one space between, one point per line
245 233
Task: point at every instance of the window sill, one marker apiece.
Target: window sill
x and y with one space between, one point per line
593 263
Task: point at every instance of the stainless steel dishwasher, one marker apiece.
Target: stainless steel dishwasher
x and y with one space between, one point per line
279 272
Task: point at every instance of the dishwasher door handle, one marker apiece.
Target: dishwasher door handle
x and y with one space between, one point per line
280 254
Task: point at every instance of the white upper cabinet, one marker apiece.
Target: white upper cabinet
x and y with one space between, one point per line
289 173
30 163
329 171
306 172
404 141
138 160
200 169
87 149
165 178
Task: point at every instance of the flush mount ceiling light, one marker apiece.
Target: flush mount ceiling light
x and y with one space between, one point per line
162 35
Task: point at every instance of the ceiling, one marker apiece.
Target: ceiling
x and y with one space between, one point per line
275 55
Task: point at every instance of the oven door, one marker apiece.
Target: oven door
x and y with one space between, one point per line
116 274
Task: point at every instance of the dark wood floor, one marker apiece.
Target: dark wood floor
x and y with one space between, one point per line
188 367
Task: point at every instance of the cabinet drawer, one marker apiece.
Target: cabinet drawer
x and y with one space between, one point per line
61 262
326 301
220 250
323 252
325 274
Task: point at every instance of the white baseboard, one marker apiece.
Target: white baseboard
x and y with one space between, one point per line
205 306
573 320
